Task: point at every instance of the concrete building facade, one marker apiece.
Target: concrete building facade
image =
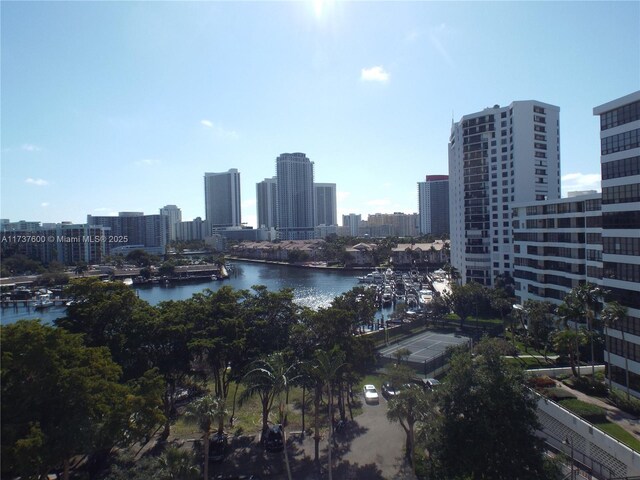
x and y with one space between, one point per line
325 204
295 204
267 203
433 205
498 157
620 165
222 199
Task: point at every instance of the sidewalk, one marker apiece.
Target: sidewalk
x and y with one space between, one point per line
614 414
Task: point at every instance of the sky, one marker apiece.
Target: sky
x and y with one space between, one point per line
123 106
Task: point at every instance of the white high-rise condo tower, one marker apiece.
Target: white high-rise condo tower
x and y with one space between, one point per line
325 204
222 199
294 172
266 202
433 205
499 156
620 162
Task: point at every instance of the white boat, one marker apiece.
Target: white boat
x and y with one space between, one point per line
43 300
128 281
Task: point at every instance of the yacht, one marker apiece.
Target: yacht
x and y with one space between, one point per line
43 300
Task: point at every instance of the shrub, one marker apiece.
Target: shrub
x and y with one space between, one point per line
558 394
587 385
589 412
630 405
541 382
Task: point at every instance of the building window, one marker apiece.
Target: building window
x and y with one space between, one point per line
620 142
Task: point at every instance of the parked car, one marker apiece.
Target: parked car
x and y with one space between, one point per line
389 391
217 447
272 439
431 383
370 394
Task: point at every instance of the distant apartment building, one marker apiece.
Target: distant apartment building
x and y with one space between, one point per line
433 205
65 242
222 199
326 209
296 213
498 157
557 246
399 224
351 223
266 203
190 230
174 216
620 164
133 230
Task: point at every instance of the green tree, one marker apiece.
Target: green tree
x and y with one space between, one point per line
465 299
487 421
205 412
411 405
613 316
568 342
59 399
271 380
326 368
540 317
177 464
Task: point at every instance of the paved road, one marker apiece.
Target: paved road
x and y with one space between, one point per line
370 448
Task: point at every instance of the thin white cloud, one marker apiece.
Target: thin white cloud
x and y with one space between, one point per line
44 204
342 195
39 182
577 182
435 37
250 202
374 74
147 162
219 131
379 202
28 147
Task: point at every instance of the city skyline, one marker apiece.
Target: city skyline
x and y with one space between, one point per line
111 107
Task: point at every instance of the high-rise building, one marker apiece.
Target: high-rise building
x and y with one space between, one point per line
266 202
294 172
352 222
397 224
499 156
190 230
222 199
557 246
620 163
132 230
325 204
174 216
433 205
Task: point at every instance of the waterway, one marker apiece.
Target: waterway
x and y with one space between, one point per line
312 287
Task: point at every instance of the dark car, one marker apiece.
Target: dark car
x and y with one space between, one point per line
272 439
217 447
389 391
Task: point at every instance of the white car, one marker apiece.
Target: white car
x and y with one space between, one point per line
370 394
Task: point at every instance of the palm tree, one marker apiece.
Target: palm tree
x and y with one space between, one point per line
205 412
571 310
589 296
270 379
326 367
176 464
613 315
410 406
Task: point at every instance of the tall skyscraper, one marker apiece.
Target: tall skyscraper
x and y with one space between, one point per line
620 162
266 202
325 204
222 199
294 172
433 205
498 156
174 215
352 222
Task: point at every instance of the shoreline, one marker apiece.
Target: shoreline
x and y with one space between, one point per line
313 265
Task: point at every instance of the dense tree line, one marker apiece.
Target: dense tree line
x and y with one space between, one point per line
108 374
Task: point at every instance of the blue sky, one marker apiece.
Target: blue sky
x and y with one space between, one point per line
122 106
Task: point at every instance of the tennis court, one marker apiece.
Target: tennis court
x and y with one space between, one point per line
424 347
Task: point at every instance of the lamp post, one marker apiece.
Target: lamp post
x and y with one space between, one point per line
569 441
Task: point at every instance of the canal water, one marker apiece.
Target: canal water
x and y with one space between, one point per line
312 287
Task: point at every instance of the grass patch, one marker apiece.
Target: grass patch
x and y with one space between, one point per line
588 411
620 434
